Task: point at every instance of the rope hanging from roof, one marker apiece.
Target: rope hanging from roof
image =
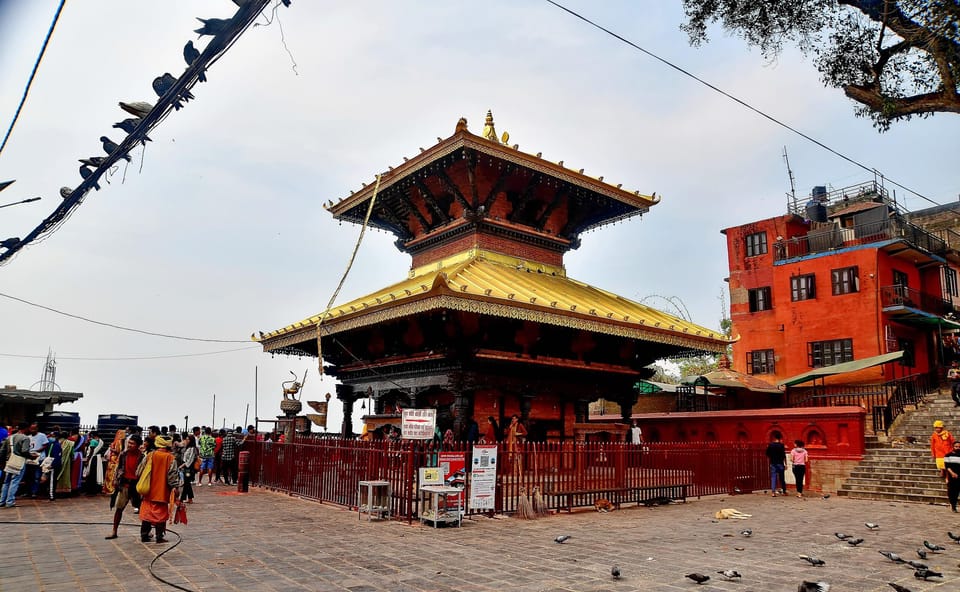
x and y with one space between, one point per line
353 256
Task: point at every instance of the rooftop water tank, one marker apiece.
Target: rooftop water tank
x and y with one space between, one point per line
65 419
819 192
816 211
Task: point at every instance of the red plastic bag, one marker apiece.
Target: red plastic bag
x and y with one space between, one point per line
180 517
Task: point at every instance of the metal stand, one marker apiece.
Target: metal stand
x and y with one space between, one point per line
376 502
437 512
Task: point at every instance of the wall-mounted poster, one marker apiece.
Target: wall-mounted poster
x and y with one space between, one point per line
418 424
483 482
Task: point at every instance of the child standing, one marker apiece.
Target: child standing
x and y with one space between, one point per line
799 457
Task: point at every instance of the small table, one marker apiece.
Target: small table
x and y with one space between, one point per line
377 501
435 511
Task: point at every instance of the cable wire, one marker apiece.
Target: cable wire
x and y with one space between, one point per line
33 74
124 359
737 100
121 327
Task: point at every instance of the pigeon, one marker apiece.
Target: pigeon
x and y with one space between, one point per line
917 564
898 587
854 542
746 532
730 574
826 496
954 537
921 553
65 192
94 161
698 578
562 538
842 536
212 26
813 560
130 124
161 84
892 556
9 243
933 546
190 55
137 108
86 172
871 525
110 147
813 587
924 574
615 572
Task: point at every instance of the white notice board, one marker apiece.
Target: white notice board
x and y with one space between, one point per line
483 480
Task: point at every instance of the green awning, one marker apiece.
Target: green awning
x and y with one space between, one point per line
842 368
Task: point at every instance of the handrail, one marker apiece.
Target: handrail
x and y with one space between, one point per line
829 237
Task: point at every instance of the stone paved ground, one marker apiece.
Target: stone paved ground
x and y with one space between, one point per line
268 541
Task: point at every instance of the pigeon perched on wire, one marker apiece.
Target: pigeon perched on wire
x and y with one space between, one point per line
190 55
615 572
137 108
9 243
65 192
813 587
854 542
130 124
562 538
212 26
94 161
925 574
899 588
892 556
110 147
815 561
730 574
162 84
933 546
698 578
86 172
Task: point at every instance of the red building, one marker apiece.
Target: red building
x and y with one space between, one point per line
839 278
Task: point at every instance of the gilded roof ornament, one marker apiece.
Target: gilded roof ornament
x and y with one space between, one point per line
488 130
461 126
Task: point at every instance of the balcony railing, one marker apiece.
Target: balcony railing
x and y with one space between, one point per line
902 296
831 237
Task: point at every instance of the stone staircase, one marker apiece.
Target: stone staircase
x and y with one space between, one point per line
898 470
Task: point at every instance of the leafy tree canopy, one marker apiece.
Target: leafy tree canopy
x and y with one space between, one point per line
895 58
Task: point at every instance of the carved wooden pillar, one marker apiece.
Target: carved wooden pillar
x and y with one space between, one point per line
581 410
348 397
462 411
526 402
627 401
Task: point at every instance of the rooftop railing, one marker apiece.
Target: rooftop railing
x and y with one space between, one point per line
829 237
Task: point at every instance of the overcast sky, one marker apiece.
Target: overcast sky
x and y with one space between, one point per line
222 232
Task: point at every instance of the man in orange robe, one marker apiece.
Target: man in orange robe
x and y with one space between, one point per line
164 479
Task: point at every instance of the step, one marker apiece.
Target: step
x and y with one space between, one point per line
893 497
894 485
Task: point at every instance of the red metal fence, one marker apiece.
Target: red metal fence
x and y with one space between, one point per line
567 474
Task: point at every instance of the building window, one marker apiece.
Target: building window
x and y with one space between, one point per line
756 244
760 299
907 347
803 287
900 278
828 353
950 280
760 362
845 281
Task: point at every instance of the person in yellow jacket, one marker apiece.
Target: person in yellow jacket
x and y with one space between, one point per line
941 442
164 479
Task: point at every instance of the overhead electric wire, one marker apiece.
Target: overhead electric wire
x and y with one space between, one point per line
33 74
132 358
121 327
737 100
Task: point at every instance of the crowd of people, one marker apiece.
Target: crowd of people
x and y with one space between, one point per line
154 470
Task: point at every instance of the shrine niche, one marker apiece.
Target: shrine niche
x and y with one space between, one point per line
486 322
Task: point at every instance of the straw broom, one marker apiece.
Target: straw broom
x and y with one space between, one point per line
524 506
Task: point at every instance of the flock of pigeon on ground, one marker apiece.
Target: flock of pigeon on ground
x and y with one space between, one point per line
161 84
922 571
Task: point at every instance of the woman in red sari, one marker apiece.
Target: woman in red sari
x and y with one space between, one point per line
113 456
164 479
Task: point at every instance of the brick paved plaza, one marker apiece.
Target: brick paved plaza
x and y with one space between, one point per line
267 541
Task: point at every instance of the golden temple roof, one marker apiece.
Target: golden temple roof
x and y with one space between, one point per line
494 284
463 138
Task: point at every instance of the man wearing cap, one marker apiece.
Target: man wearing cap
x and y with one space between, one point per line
941 442
164 478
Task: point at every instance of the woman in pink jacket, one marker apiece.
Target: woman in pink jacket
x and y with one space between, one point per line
799 458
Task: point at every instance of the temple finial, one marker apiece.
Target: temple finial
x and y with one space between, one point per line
488 130
461 126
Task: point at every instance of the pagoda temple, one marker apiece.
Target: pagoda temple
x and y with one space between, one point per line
487 322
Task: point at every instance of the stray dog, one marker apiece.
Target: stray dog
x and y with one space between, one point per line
603 505
731 513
